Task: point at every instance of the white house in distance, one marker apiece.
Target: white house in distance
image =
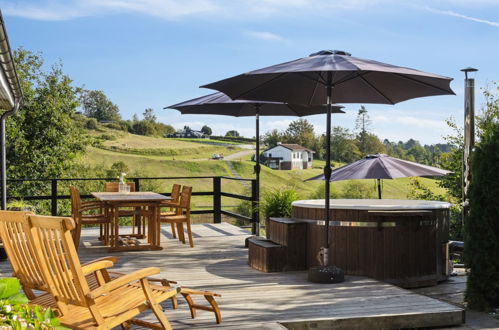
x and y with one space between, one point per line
288 157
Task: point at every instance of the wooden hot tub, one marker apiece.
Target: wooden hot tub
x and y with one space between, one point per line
398 241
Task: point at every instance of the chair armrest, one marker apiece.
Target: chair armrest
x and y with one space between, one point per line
92 203
95 266
123 280
90 207
110 258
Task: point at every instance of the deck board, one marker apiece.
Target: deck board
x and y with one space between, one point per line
252 299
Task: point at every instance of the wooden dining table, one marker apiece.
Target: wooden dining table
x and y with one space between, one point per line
149 204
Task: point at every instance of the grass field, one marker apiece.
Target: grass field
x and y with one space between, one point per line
152 157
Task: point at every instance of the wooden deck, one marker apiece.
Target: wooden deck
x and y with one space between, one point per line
252 299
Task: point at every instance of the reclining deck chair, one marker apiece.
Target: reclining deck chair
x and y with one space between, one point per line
113 303
14 229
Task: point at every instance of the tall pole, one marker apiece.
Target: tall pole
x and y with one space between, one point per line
469 136
327 168
256 225
379 188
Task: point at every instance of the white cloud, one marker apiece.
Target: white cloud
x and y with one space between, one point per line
410 121
240 9
469 18
53 10
264 35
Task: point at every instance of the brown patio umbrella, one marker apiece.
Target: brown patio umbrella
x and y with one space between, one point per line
380 166
220 104
313 79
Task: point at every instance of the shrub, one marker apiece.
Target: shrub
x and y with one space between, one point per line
91 123
115 126
16 314
359 190
277 203
319 192
481 239
108 137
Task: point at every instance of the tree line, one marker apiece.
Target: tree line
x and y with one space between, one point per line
348 146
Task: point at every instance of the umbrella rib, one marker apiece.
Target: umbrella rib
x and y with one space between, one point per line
423 83
259 86
377 90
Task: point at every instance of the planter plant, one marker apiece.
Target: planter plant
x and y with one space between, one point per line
277 203
17 315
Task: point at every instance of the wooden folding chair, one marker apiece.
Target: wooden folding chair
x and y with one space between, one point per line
79 211
114 303
182 215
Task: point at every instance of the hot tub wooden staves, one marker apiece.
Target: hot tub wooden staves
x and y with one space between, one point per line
403 246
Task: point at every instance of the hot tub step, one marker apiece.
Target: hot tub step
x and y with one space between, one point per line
266 256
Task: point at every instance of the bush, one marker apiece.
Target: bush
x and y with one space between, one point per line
481 239
358 190
16 314
319 192
108 137
91 123
115 126
277 203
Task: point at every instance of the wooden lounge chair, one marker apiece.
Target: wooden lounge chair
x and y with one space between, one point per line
182 215
14 229
175 195
114 303
79 211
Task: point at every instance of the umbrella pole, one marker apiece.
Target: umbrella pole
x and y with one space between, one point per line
327 168
255 228
379 188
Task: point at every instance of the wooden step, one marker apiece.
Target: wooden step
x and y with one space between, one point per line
265 255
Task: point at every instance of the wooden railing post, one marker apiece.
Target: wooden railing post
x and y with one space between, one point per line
255 225
217 199
53 197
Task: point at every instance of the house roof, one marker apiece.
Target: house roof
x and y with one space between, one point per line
292 147
10 89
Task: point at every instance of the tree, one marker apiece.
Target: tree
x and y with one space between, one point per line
95 104
301 132
149 115
43 141
372 144
232 133
362 123
206 130
343 147
271 138
481 227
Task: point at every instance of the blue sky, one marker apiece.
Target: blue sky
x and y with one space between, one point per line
154 53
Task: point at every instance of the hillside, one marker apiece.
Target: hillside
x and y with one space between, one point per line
161 157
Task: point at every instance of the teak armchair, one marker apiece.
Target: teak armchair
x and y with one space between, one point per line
113 303
135 213
182 215
79 211
175 195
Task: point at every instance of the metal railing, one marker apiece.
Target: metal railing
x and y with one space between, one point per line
217 193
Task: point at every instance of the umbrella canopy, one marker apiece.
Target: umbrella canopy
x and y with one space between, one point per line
380 167
220 104
313 79
354 80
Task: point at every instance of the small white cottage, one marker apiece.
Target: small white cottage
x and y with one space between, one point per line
289 157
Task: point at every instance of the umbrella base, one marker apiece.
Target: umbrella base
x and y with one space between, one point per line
326 274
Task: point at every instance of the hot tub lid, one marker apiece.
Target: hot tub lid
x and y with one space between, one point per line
374 204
